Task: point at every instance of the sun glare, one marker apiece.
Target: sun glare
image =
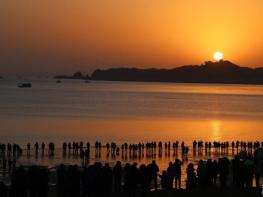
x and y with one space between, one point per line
218 56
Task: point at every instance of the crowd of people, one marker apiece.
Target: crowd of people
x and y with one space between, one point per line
101 180
10 150
10 153
82 149
91 178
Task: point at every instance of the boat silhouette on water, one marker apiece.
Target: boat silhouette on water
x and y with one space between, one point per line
24 85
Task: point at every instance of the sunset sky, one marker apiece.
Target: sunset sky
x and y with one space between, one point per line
63 36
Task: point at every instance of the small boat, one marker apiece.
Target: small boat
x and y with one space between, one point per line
58 81
24 85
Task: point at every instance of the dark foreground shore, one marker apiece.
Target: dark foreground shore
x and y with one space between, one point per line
212 192
208 192
240 176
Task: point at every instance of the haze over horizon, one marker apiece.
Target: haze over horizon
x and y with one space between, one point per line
63 36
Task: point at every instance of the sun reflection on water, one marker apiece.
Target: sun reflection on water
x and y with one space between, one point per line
216 130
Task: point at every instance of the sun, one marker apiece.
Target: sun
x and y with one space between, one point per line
218 56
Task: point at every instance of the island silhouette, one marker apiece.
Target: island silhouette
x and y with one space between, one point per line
76 75
209 72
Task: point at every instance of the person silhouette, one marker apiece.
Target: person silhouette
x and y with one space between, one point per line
144 177
201 173
223 168
164 180
43 148
107 179
170 175
61 180
178 173
36 147
117 174
191 177
154 169
249 171
51 149
258 157
28 149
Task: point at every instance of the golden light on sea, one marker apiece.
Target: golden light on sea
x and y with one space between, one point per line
216 130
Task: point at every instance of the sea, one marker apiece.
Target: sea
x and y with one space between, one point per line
131 112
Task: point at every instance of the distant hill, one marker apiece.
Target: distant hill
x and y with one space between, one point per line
209 72
76 75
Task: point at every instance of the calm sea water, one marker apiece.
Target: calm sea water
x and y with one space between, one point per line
127 112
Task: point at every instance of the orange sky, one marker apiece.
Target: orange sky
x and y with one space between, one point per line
62 36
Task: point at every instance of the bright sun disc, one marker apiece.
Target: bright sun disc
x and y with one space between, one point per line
218 56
